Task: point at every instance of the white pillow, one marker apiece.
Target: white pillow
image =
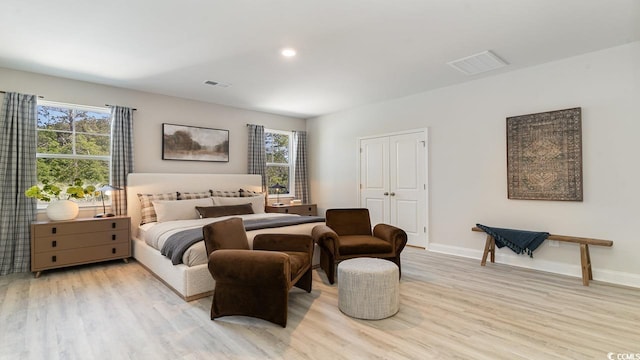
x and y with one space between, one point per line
168 210
257 202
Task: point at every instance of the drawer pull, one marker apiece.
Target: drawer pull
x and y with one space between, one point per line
113 225
113 236
113 251
53 258
54 230
54 243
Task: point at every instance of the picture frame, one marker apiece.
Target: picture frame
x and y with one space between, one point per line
544 156
194 143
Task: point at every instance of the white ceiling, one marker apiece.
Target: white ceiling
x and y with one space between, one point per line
350 52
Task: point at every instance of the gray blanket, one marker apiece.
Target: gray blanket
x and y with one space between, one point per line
178 243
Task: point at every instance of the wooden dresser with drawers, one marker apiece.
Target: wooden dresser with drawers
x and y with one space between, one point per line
56 244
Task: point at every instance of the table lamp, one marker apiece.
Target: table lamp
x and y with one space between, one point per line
277 188
102 190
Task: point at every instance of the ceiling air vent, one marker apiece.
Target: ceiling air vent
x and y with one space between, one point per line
478 63
217 83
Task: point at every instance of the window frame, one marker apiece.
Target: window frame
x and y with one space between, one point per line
291 164
75 155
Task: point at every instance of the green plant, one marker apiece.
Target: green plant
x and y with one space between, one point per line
49 191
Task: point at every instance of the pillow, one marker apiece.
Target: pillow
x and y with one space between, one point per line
168 210
225 193
147 212
193 195
257 202
224 210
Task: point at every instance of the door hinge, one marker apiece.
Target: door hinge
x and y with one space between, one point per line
425 186
425 229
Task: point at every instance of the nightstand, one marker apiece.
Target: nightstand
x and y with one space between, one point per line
56 244
304 209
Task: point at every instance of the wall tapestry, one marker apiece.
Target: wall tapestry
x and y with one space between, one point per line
544 155
181 142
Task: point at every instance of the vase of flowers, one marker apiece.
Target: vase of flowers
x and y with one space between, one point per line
61 206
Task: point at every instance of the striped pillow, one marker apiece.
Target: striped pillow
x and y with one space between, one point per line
225 193
193 195
249 193
147 212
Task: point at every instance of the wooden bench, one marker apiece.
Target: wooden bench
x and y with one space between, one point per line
585 258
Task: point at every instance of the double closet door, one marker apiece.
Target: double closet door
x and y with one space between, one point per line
393 182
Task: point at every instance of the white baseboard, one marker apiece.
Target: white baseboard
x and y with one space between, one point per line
608 276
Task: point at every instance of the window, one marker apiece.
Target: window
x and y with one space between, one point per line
74 142
279 160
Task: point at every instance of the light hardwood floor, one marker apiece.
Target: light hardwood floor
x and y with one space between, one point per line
451 308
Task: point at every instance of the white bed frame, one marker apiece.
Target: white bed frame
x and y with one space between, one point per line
189 282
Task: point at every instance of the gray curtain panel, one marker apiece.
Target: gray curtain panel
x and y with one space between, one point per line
17 174
121 155
257 157
301 177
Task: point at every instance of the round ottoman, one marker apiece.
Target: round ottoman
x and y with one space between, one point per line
368 288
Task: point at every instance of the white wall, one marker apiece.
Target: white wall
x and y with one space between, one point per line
153 110
467 159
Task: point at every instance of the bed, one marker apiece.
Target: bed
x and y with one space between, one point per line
190 279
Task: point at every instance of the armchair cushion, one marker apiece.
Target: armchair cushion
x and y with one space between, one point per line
299 262
298 247
363 244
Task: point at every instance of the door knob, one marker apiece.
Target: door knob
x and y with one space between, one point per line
386 193
393 194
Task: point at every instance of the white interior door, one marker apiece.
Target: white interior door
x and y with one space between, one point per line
393 182
407 191
374 178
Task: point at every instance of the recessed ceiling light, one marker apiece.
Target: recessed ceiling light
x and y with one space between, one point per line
288 52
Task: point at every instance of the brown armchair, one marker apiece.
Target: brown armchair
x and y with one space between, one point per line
347 234
255 283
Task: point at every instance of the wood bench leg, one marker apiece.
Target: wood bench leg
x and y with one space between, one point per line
492 249
585 259
489 247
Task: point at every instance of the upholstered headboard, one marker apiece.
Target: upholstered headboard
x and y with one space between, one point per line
155 183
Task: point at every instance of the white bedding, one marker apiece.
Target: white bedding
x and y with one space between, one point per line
155 234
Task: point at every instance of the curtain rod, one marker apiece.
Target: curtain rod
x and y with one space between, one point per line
39 96
107 105
274 129
42 97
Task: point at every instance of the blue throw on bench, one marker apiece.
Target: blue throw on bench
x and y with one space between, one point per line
520 241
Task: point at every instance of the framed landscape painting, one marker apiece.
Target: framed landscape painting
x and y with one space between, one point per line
544 156
182 142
